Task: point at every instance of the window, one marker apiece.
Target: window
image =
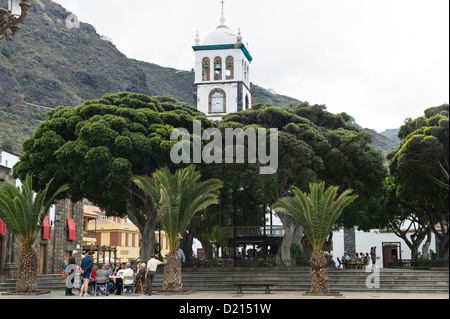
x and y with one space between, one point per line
217 69
115 239
230 68
217 102
206 67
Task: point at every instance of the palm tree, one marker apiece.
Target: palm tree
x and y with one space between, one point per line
177 198
23 213
316 213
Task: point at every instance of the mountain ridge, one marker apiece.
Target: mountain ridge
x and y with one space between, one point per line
49 65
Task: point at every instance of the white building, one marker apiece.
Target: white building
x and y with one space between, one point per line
8 159
387 245
222 73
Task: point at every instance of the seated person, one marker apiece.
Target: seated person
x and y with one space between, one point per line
140 274
127 277
92 280
118 281
102 281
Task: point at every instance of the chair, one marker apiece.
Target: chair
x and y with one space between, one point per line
102 280
128 281
138 285
352 263
344 263
362 263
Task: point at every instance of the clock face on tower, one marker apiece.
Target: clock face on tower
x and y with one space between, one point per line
217 103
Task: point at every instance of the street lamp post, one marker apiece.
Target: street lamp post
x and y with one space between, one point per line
11 17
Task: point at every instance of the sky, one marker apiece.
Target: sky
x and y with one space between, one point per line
379 61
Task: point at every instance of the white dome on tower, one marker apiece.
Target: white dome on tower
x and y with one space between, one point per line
221 35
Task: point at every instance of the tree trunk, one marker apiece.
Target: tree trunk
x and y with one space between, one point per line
27 277
148 241
290 230
443 248
186 245
144 216
319 274
172 274
443 236
207 246
426 245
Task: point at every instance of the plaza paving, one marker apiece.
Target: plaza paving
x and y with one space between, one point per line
214 295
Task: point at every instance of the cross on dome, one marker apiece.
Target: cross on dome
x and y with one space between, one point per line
222 18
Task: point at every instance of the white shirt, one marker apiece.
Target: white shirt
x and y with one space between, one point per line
127 273
153 264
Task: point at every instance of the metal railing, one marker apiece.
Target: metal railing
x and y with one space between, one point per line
248 231
246 263
409 263
89 234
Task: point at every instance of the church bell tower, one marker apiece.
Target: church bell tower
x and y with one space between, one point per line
222 69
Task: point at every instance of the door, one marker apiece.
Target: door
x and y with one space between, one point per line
391 253
42 259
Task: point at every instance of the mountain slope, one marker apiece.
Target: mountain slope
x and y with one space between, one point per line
50 65
391 134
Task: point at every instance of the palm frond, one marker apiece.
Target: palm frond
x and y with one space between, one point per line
178 197
316 212
23 210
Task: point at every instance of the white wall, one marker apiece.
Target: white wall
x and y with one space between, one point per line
365 240
7 159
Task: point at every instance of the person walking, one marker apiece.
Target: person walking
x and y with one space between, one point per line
69 270
86 269
152 265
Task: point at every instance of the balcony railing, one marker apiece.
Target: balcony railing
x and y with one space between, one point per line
249 231
89 234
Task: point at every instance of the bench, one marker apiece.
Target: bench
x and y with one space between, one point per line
253 284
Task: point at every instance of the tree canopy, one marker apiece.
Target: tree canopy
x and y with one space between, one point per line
419 168
313 145
99 145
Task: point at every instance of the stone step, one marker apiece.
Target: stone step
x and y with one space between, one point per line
287 279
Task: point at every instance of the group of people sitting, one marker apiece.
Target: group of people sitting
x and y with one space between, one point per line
124 278
357 261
